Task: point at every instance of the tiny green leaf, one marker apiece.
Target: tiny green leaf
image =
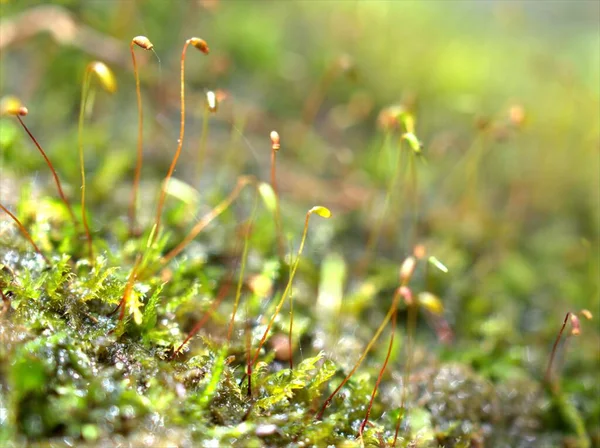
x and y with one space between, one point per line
413 142
150 315
268 196
105 76
438 264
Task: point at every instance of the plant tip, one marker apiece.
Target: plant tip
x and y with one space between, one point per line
105 75
516 115
211 101
419 251
11 105
143 42
275 142
323 212
407 269
575 326
431 303
200 44
587 314
406 294
413 142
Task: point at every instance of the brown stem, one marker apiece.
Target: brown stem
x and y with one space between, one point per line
386 319
548 374
380 376
280 245
249 356
201 45
207 219
24 232
247 231
410 330
54 174
220 297
138 165
316 97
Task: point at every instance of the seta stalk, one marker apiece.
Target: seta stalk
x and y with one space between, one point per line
324 213
142 42
208 218
108 83
202 46
275 146
238 292
25 233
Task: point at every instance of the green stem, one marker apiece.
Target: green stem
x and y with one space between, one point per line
203 138
84 96
240 283
285 292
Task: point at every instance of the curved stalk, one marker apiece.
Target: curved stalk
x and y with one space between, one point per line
275 146
201 45
362 357
323 212
207 219
143 42
24 232
107 81
380 376
238 292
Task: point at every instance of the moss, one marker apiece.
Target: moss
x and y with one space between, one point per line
517 237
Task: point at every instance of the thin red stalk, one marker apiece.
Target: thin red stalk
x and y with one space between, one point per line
411 325
249 355
290 335
238 293
207 219
163 191
386 319
554 349
380 376
280 246
220 297
138 165
315 99
375 230
54 174
24 232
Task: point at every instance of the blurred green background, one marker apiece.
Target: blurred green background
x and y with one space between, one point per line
510 87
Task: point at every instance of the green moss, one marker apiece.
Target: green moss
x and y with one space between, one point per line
505 206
